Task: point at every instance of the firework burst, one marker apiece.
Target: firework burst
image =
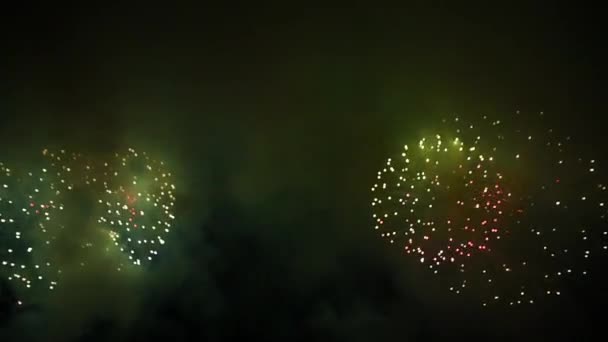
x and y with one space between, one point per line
506 211
73 207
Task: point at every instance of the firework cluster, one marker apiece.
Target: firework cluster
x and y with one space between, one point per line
506 211
72 205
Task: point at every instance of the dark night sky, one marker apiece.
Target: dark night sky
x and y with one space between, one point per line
276 119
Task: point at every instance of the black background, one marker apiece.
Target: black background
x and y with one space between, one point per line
275 119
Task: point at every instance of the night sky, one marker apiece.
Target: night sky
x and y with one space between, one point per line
275 120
